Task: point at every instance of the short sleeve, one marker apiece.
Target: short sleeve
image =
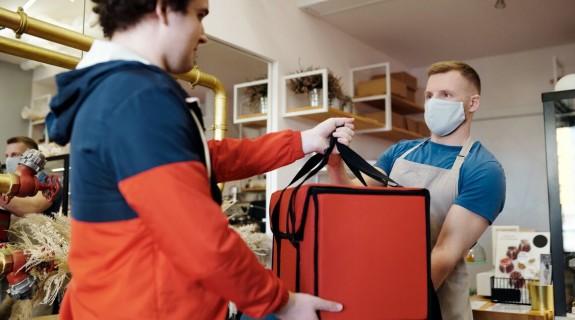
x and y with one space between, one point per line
482 190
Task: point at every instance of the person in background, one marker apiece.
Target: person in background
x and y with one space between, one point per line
148 233
20 207
465 180
17 206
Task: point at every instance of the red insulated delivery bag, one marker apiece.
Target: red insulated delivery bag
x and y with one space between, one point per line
365 247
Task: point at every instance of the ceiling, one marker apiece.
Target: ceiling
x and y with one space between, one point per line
414 32
420 32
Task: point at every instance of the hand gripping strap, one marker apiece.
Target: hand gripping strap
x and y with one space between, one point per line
356 164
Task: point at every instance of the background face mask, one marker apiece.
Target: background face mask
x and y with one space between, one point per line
11 164
443 117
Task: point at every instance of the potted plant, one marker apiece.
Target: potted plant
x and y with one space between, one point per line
346 103
258 96
310 85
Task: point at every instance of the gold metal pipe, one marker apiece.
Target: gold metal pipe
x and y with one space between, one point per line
8 183
32 52
21 23
195 77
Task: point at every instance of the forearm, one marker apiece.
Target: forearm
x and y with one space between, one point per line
234 159
22 206
459 232
336 171
442 263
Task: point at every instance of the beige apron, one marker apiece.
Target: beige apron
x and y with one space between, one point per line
442 185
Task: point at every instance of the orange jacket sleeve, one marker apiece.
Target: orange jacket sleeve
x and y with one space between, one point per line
234 159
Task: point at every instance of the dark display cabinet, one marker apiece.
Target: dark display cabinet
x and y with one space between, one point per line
559 117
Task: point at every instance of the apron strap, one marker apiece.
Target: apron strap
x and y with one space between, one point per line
411 150
462 154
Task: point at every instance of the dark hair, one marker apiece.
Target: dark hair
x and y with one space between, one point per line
28 142
120 15
466 71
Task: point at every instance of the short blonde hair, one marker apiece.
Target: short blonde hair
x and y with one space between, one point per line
464 69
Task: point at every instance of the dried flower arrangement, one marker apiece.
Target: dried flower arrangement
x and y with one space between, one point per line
345 100
44 242
259 243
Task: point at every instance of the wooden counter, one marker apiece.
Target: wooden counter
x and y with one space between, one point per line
501 311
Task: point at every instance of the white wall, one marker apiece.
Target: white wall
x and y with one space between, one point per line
510 121
15 90
279 31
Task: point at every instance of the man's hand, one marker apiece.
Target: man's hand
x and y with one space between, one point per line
316 139
303 306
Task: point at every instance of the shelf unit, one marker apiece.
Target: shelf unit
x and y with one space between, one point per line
252 120
386 101
254 189
37 131
244 112
292 99
37 127
298 105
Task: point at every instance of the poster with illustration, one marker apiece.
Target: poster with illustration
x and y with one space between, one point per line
494 234
518 255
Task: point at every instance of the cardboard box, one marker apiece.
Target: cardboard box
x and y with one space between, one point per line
377 86
397 120
412 124
410 95
406 78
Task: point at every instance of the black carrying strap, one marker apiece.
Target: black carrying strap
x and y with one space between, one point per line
357 164
354 162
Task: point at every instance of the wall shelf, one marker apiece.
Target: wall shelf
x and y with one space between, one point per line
291 98
359 123
398 104
363 123
255 189
374 91
368 126
248 97
253 120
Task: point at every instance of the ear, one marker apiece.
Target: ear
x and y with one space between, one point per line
161 11
475 100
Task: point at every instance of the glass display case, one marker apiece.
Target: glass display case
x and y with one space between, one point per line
559 117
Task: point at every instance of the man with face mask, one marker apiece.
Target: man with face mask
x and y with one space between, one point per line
15 147
466 182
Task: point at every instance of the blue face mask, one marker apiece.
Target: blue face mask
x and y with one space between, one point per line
443 117
12 164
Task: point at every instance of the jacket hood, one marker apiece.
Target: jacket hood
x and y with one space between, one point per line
73 88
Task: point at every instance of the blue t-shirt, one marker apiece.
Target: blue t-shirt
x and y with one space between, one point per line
481 187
